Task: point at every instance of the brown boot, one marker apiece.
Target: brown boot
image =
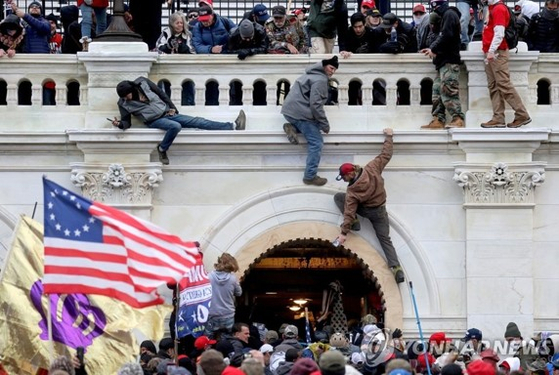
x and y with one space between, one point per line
456 122
518 122
434 124
492 124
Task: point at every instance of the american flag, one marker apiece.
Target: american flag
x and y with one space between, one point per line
92 248
307 327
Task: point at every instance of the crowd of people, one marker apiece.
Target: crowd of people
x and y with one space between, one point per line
365 347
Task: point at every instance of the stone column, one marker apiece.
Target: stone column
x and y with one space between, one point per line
499 180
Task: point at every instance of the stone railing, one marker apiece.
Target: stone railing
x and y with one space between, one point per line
405 82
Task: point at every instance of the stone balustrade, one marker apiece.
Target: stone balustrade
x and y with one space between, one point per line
85 94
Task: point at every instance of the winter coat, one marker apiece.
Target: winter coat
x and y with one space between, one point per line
178 43
327 20
285 368
257 45
158 104
447 44
406 43
291 33
14 42
72 30
367 189
361 44
37 34
543 33
204 38
225 287
307 97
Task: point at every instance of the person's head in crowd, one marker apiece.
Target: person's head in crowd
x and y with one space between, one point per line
357 21
423 363
266 351
211 363
279 15
62 363
389 20
537 367
162 366
258 355
192 17
226 263
367 5
512 364
282 329
301 14
271 337
204 343
330 65
368 318
35 9
398 364
153 363
478 367
252 366
551 9
357 360
148 346
438 343
53 21
451 369
304 366
246 30
167 347
260 14
206 16
418 13
130 369
291 355
321 336
513 337
11 26
177 23
206 3
374 19
490 356
332 363
473 338
339 341
225 348
145 358
290 332
241 332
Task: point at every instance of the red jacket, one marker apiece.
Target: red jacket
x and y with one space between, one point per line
498 16
96 3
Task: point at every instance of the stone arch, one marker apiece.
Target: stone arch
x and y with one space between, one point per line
259 223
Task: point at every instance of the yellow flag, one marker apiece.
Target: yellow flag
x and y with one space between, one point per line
103 326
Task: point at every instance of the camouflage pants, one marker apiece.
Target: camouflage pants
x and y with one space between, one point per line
446 93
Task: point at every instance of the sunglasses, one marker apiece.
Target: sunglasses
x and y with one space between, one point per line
279 18
192 16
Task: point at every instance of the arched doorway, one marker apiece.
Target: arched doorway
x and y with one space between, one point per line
293 275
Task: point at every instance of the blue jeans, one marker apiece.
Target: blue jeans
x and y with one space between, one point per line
215 323
311 131
87 20
173 125
464 8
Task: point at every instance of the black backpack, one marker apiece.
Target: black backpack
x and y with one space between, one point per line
511 31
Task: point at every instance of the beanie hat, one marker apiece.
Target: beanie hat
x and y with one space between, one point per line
333 61
332 362
479 367
451 369
35 3
131 369
62 363
166 343
11 22
304 366
122 89
512 330
338 340
246 29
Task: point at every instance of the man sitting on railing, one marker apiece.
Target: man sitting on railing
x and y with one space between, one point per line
37 31
142 98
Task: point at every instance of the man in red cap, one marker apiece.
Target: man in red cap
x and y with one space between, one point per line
366 196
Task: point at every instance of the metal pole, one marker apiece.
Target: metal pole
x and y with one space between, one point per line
420 331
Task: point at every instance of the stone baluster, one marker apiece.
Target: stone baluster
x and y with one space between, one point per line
271 92
223 95
367 95
61 95
554 95
415 95
11 96
36 94
200 93
247 94
343 97
176 94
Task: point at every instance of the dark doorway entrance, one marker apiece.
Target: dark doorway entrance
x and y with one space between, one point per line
300 270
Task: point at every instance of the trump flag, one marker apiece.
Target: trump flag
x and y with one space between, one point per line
92 248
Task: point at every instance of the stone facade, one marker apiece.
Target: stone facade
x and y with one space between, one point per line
473 211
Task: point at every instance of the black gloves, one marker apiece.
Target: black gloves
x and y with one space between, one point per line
243 54
397 333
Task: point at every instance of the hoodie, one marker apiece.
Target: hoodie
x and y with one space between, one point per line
225 287
528 8
69 16
307 97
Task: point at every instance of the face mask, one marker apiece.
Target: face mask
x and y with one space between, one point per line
418 19
550 14
513 347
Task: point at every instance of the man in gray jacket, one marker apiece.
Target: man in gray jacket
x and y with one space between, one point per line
142 98
303 108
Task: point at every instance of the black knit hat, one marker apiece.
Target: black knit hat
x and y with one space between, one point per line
124 88
36 3
333 61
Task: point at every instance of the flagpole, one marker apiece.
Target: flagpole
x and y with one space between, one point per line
49 328
175 303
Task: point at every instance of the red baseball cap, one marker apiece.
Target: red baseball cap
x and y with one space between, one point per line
202 341
438 338
419 8
345 168
368 4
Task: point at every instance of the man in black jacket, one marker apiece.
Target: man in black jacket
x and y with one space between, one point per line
143 99
248 39
445 52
